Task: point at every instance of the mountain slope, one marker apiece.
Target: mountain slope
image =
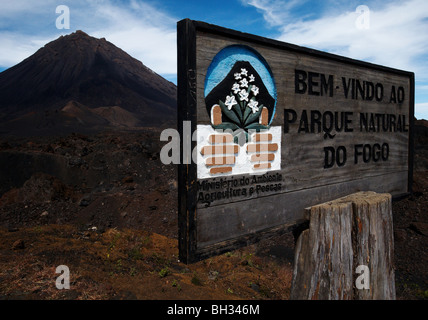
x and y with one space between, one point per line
91 73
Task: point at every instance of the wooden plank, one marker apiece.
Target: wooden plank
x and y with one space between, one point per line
300 153
186 96
323 105
388 181
232 244
243 218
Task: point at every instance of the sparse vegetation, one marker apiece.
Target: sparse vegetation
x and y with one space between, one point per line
150 272
164 272
135 253
196 280
175 284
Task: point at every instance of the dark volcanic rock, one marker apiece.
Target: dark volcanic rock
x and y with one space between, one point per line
421 145
419 227
18 245
80 83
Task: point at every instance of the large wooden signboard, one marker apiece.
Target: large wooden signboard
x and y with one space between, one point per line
269 128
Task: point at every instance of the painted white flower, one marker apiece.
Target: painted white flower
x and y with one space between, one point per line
236 88
252 78
230 101
244 83
244 71
253 105
243 95
255 90
237 76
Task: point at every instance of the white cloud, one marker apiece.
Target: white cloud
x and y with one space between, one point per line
141 30
274 12
397 35
14 50
421 110
17 47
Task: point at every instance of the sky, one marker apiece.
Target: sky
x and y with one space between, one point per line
392 33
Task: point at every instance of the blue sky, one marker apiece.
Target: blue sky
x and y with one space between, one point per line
395 33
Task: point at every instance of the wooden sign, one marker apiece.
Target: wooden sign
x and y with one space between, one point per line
270 128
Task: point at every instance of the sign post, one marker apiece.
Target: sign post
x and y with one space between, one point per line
269 128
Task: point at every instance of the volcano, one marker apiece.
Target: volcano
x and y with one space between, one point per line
78 83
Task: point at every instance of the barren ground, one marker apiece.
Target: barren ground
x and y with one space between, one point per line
106 207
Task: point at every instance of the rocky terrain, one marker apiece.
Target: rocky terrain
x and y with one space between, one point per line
105 206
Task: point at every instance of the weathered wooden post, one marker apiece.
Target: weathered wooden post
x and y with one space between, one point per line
347 252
